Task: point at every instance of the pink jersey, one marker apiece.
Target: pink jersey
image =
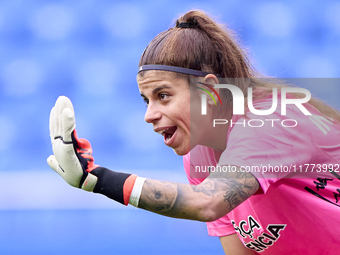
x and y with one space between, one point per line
298 209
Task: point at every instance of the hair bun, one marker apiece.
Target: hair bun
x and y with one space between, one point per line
190 23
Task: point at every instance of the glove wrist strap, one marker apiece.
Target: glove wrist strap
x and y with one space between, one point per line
112 184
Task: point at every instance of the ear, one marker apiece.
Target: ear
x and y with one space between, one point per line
211 79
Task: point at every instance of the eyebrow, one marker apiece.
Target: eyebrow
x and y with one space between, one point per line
155 90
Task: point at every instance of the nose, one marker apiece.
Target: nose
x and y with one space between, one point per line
152 114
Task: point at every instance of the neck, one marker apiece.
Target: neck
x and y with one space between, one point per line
216 137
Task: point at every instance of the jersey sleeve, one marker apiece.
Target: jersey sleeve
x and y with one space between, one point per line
269 147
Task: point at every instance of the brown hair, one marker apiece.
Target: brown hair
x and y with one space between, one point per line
208 46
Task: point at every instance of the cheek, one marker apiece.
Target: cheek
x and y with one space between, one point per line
182 118
195 105
185 115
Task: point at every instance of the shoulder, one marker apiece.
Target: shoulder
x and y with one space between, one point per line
268 118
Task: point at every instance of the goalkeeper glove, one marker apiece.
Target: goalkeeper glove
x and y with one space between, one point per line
73 158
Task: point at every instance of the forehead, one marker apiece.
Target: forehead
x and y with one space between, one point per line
153 78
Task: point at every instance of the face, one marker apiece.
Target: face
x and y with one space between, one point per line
168 107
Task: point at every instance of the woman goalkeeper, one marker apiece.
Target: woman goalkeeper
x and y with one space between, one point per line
287 205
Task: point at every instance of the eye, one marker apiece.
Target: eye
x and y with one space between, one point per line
163 96
146 101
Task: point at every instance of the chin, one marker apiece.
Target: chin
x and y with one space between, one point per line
181 151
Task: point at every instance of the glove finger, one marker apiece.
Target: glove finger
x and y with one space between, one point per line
53 124
57 118
67 102
68 124
53 163
61 104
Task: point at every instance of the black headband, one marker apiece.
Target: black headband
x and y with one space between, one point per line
175 69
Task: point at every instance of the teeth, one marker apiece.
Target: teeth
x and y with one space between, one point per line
162 131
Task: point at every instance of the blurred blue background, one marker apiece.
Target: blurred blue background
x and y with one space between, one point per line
89 51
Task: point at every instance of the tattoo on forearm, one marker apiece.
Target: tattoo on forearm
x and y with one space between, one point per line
182 200
208 189
239 188
158 196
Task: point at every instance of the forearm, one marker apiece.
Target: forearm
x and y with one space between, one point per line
207 201
214 197
173 199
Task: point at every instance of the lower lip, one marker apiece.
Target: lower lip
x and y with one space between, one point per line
171 140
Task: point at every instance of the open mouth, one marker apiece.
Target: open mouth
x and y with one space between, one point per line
167 133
